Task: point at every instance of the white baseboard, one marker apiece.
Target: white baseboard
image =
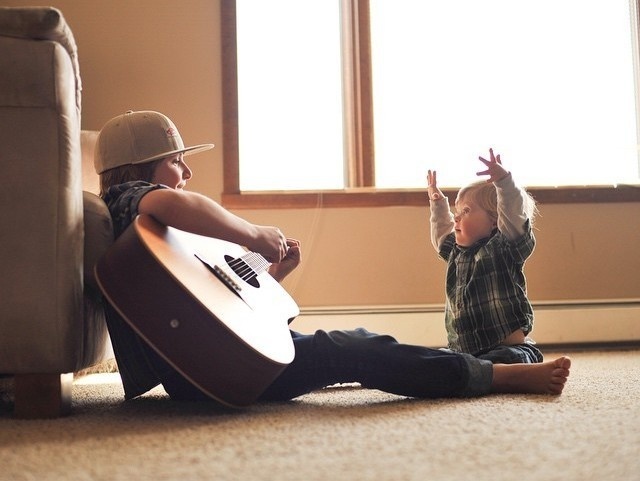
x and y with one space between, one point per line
575 322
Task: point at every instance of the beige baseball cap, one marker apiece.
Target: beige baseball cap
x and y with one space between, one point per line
139 137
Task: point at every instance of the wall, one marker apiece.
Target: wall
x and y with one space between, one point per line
165 55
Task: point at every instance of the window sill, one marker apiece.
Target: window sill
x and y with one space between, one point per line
365 197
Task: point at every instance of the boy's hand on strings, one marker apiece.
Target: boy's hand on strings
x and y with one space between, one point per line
289 262
432 186
495 170
270 243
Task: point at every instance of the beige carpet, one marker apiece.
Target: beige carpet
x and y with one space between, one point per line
591 432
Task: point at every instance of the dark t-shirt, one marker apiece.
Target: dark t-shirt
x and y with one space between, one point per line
140 367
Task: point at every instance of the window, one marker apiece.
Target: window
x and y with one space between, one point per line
356 99
289 95
549 84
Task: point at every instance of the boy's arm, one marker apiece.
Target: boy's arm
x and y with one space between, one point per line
193 212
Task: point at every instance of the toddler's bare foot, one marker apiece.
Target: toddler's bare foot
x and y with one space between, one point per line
543 378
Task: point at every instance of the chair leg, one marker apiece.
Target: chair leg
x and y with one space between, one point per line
42 395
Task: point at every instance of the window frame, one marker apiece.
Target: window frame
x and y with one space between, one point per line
358 111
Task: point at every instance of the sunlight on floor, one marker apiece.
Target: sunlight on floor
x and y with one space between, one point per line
100 378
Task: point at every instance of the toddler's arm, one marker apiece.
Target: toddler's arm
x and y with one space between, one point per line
441 218
512 213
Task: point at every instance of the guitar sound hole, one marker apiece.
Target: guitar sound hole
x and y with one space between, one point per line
243 271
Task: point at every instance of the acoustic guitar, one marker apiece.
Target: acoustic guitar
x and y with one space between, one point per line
208 307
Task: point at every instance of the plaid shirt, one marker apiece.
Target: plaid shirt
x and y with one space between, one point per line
140 368
486 290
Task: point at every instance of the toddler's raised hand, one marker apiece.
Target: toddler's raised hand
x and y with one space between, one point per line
495 170
432 186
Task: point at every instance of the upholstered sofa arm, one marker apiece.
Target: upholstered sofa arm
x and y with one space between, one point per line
52 323
42 23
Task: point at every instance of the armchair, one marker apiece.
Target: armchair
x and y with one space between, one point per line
51 231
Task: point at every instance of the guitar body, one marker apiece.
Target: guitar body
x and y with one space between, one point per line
225 332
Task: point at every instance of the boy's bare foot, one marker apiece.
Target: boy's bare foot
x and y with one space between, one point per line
543 378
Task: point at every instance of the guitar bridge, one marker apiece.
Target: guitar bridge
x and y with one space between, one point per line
225 278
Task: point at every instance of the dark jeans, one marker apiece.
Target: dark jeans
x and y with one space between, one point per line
519 353
375 361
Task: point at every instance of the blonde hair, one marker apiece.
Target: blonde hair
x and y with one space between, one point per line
484 195
126 173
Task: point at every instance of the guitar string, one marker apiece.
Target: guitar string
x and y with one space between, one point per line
242 269
249 266
308 247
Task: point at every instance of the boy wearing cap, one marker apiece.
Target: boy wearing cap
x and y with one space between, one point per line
140 159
